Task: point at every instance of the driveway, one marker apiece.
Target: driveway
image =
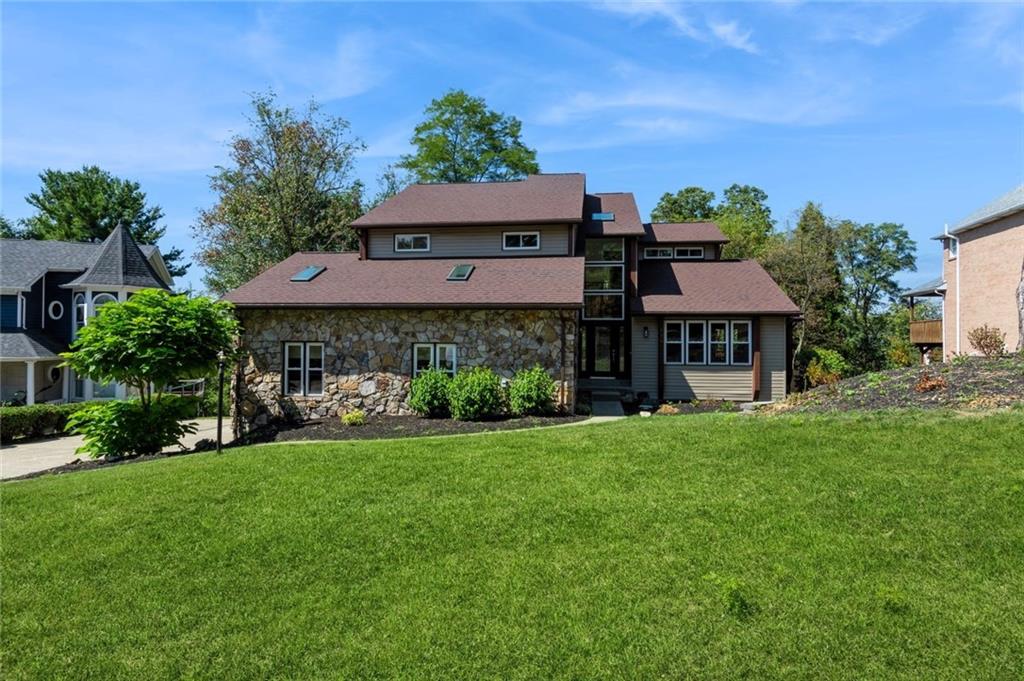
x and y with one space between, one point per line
40 455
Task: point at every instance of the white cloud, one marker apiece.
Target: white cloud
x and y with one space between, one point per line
869 25
732 35
997 30
727 33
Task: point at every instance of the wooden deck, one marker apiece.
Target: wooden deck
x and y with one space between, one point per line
927 332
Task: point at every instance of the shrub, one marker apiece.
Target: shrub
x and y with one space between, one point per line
128 427
429 394
36 419
988 340
827 367
531 392
356 417
475 394
928 382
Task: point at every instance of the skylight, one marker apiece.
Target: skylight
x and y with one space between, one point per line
460 273
308 273
608 217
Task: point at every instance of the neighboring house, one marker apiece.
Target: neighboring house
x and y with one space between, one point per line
509 275
982 270
49 290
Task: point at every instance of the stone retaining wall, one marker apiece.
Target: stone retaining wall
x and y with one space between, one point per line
368 355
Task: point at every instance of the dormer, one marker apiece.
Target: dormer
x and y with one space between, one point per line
682 241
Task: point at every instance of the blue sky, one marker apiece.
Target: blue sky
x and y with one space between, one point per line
910 113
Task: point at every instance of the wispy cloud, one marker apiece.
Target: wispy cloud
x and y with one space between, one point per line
727 33
997 30
870 25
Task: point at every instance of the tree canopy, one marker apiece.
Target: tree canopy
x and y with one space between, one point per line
87 204
461 140
743 215
290 187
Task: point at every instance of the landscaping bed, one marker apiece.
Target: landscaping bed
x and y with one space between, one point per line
970 383
387 427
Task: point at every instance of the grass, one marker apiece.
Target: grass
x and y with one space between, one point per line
723 546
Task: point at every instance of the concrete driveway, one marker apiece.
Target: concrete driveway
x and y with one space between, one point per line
40 455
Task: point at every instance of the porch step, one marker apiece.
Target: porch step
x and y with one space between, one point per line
601 405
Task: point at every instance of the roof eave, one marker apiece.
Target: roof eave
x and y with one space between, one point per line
424 306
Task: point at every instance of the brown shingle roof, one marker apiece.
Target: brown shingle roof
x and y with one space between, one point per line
350 282
709 287
683 232
623 205
536 200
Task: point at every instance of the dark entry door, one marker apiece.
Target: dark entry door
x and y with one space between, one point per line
604 351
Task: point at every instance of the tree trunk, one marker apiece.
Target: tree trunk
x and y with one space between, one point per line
1020 309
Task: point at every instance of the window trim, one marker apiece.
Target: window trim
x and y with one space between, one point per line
953 247
703 343
620 289
434 347
699 255
303 368
396 249
681 343
648 256
709 343
749 342
506 235
50 313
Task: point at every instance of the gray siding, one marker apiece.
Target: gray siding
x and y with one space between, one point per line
645 356
688 382
468 242
773 358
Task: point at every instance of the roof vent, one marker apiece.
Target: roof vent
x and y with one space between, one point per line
607 217
460 272
308 273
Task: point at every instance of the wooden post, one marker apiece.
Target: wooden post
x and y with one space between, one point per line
755 339
661 357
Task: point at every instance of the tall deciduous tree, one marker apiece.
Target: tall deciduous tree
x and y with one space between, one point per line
461 140
690 204
743 215
289 188
87 204
870 256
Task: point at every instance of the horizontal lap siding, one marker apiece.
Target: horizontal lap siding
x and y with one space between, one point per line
469 242
773 358
687 382
645 356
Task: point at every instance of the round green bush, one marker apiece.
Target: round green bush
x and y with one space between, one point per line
476 394
356 417
531 392
429 394
126 427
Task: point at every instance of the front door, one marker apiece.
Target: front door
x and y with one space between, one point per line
603 351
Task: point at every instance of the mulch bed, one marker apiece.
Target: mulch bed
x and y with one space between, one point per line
973 384
381 427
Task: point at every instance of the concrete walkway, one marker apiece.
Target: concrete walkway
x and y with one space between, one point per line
40 455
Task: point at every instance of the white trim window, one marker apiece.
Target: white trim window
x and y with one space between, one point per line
740 342
657 254
954 247
21 311
440 356
689 253
303 370
81 314
673 342
55 310
520 241
412 243
696 335
718 342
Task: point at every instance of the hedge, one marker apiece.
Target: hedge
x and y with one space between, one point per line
35 420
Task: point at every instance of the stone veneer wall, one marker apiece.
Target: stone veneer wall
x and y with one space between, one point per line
368 355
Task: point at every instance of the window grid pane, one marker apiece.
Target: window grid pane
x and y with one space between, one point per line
718 343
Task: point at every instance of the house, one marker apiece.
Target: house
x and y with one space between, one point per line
509 275
49 290
982 276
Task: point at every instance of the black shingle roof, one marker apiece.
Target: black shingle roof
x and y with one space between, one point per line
22 262
119 263
29 345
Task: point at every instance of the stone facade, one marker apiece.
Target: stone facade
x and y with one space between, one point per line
368 355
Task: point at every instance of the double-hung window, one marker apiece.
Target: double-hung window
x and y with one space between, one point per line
303 369
673 342
695 338
690 253
440 356
718 342
740 342
412 243
520 241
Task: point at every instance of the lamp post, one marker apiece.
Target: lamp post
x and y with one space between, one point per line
220 397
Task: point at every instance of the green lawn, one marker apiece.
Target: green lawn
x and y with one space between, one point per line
715 546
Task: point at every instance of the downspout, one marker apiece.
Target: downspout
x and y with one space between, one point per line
957 240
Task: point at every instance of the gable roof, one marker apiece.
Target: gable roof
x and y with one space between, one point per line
683 232
1010 202
119 262
622 205
348 281
709 287
538 199
24 261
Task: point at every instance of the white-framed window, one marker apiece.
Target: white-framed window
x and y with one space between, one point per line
695 338
441 356
55 310
21 311
406 243
520 241
689 253
303 371
673 342
954 248
81 311
101 299
718 342
741 342
657 254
